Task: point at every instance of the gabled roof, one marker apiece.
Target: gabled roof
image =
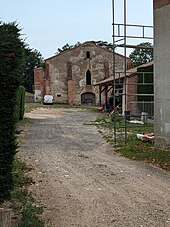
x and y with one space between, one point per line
122 74
90 43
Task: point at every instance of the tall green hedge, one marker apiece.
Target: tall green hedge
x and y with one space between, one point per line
11 57
20 103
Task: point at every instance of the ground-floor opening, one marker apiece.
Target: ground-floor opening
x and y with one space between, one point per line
88 98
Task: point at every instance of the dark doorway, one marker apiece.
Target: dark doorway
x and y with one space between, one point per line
88 99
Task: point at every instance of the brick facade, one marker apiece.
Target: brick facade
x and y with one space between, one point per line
39 86
70 91
131 102
70 75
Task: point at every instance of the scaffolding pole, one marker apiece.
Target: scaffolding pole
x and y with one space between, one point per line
120 39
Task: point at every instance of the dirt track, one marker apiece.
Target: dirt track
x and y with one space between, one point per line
83 182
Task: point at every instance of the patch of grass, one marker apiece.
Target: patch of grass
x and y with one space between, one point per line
26 121
31 106
23 203
134 148
90 108
29 94
144 151
19 177
104 121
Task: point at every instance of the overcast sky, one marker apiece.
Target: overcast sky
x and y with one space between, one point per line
49 25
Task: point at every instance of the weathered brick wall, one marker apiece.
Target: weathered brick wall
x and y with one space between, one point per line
47 81
39 86
74 64
131 100
70 91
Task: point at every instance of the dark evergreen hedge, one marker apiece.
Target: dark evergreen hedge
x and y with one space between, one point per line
11 57
20 103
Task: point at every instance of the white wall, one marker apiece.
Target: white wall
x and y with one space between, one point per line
162 76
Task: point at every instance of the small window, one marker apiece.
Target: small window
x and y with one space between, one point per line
88 54
58 95
88 78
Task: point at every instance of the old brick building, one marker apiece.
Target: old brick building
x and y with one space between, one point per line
133 84
70 75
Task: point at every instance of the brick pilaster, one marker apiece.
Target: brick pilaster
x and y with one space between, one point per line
70 90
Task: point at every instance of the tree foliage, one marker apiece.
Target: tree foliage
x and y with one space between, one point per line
32 59
11 54
11 61
103 44
140 55
67 47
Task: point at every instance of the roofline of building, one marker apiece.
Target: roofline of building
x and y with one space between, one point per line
129 73
90 42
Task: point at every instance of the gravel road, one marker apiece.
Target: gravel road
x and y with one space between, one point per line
81 180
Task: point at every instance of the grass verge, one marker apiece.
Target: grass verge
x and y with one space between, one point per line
23 202
134 148
31 106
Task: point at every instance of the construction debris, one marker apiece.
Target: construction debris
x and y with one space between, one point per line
146 137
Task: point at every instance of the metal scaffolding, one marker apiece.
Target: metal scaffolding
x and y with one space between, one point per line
130 79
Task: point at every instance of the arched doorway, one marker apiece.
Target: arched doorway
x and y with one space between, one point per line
88 98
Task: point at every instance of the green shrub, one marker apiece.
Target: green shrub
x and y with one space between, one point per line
20 103
22 201
23 204
11 55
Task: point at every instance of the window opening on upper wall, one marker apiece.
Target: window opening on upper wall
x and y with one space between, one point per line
88 54
88 78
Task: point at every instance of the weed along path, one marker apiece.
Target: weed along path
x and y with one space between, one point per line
82 182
